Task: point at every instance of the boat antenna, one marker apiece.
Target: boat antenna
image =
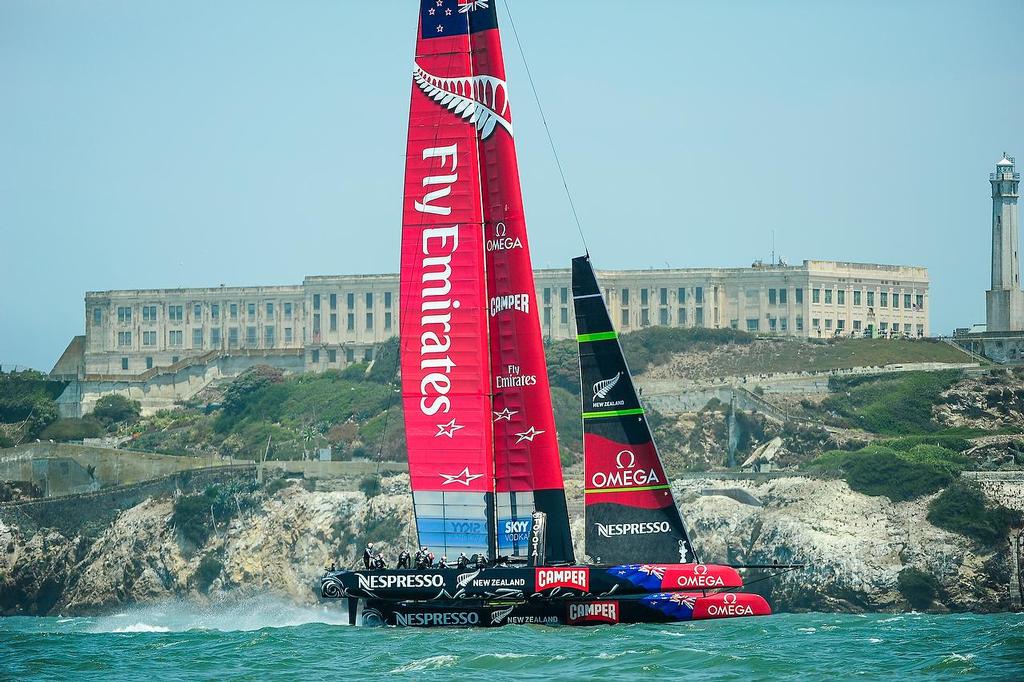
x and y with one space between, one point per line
547 130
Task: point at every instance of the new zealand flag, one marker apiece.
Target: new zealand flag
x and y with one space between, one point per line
444 18
675 604
645 575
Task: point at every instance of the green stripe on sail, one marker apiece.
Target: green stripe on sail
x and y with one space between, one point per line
594 491
613 413
596 336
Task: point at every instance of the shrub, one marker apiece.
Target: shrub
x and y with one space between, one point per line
370 486
116 409
64 430
277 485
209 568
384 528
879 471
192 518
893 404
961 508
918 587
385 362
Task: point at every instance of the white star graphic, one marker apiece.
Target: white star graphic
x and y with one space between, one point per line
448 429
463 477
440 3
529 435
505 414
440 28
431 11
447 12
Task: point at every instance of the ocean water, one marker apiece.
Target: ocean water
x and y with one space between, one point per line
261 640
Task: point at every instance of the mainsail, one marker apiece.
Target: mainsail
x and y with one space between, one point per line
483 454
630 513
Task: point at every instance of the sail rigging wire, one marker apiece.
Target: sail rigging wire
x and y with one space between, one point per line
547 130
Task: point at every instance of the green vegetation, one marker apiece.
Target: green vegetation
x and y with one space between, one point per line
64 430
961 508
898 475
209 568
28 398
370 485
195 517
656 345
116 409
918 587
892 404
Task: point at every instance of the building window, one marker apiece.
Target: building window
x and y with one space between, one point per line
698 316
698 295
387 321
815 295
799 322
334 322
895 326
233 311
645 318
681 317
250 337
215 311
783 323
332 355
563 295
841 297
663 316
316 302
815 322
563 317
197 338
771 324
350 322
287 334
856 325
175 313
895 300
174 359
350 301
287 310
215 337
350 355
251 310
369 300
197 311
97 315
752 324
547 317
368 355
334 303
270 309
856 297
124 338
840 325
316 323
663 296
782 296
149 362
771 297
828 323
174 338
124 314
268 336
387 299
643 297
148 338
871 298
883 326
124 363
547 295
883 300
798 295
149 313
828 296
906 300
625 317
625 296
681 295
920 330
919 303
314 356
369 321
233 337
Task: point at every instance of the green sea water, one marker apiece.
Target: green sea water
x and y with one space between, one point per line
271 640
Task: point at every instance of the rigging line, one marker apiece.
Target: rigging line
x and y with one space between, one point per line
551 141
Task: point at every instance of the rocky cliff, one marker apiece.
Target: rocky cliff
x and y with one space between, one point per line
855 547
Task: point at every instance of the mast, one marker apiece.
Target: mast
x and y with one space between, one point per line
631 516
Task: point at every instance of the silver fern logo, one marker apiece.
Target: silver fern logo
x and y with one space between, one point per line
603 388
480 100
464 578
500 615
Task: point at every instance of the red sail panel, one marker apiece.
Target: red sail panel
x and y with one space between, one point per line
443 334
527 467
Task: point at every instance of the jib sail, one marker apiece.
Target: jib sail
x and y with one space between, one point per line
528 473
443 300
631 516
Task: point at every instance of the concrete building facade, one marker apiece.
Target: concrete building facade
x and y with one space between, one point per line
334 321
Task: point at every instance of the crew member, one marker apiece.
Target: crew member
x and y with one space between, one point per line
463 561
481 561
429 557
378 561
403 559
421 559
443 563
368 556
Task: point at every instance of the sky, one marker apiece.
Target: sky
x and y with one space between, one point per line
157 145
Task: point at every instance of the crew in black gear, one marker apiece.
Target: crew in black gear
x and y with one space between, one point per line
463 561
481 561
403 559
443 563
421 559
378 562
368 556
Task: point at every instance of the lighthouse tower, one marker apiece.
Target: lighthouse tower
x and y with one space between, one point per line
1004 302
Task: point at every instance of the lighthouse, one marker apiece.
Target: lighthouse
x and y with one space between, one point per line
1004 302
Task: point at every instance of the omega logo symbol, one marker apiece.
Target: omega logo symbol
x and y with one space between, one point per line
729 598
700 569
622 456
500 230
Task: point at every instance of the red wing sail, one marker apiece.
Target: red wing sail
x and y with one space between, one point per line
630 513
527 467
445 374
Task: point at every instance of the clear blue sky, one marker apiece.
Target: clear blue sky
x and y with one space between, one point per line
148 145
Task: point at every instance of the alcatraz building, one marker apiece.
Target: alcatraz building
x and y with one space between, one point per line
162 345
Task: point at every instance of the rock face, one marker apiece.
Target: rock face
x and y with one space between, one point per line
995 401
854 545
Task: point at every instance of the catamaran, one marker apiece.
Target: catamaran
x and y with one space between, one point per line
484 464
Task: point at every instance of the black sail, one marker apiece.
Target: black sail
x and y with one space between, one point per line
631 516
